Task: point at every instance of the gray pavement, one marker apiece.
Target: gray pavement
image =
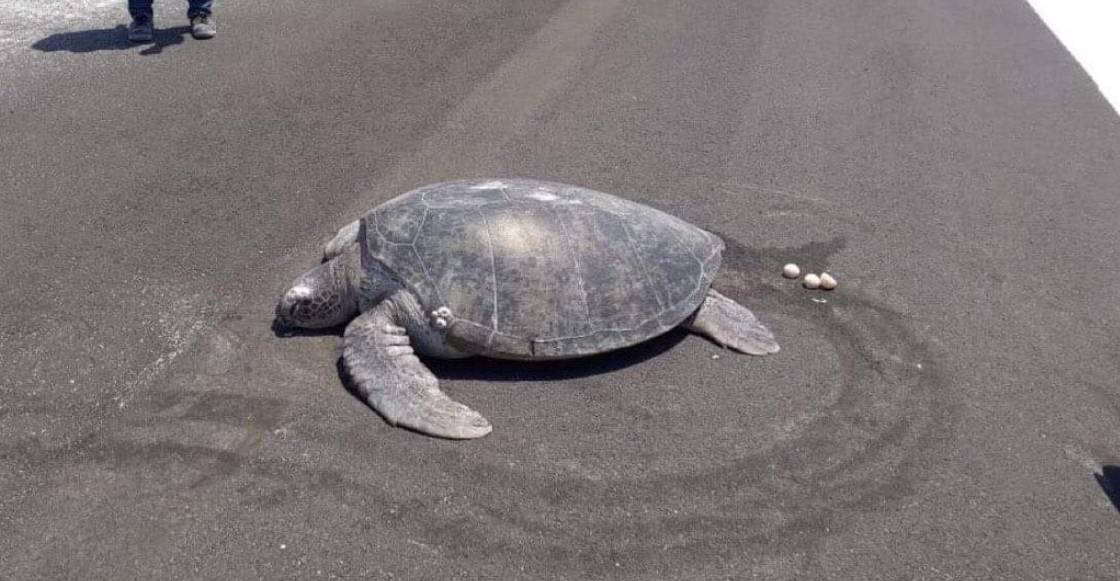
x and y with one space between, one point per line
951 412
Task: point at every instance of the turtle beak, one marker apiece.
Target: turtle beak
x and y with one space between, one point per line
283 321
292 304
284 315
320 298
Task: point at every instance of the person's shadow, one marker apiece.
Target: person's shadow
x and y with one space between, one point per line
1109 481
83 41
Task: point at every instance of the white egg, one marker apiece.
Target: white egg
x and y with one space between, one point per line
812 281
827 282
791 271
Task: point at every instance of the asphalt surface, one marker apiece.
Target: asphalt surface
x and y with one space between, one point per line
951 412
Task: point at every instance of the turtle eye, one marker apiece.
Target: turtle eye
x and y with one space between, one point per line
303 307
292 309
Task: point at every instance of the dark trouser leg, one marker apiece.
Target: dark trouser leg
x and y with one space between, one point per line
140 9
200 8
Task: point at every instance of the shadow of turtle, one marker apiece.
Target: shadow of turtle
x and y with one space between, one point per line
283 331
486 369
85 41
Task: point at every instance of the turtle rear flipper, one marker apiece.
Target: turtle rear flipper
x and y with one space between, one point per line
731 325
379 357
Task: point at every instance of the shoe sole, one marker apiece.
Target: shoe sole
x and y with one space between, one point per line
141 34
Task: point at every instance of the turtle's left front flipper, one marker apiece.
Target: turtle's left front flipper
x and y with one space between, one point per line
731 325
346 236
379 357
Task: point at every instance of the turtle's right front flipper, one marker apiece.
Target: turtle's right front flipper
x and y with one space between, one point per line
379 357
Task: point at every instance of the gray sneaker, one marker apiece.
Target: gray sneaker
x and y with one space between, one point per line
202 27
140 30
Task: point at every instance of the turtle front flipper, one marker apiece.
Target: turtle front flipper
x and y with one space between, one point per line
346 236
380 359
731 325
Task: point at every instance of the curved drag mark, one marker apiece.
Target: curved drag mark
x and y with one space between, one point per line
769 503
861 453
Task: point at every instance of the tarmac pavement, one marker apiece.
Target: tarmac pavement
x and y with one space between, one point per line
950 412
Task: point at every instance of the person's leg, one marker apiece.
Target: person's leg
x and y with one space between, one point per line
140 9
140 29
202 23
200 8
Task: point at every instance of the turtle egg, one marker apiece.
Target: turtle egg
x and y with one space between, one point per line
812 281
441 323
791 271
827 282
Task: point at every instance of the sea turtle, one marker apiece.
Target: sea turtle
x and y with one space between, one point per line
509 269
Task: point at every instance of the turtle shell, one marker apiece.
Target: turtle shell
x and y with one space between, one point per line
538 270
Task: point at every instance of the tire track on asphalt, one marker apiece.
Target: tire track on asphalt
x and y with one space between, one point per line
472 137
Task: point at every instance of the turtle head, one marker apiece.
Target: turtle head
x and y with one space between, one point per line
322 297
